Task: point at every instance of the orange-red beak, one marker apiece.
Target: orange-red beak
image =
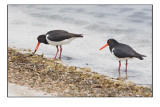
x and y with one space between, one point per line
36 47
103 46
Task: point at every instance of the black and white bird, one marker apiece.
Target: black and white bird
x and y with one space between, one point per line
122 52
56 38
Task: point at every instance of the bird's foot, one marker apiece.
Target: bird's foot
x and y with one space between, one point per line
55 59
52 58
122 78
126 77
119 78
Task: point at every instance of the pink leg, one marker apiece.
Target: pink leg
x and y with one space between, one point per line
56 53
126 68
119 68
60 52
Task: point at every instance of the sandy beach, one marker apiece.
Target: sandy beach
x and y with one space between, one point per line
15 90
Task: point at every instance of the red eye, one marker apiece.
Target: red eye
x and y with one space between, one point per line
109 41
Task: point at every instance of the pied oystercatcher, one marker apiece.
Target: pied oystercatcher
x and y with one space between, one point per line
122 52
56 38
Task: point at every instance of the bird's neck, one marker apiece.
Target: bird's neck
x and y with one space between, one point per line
111 47
45 41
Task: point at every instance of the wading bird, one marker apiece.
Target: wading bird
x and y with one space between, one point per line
122 52
57 38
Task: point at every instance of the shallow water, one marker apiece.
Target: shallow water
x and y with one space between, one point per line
129 24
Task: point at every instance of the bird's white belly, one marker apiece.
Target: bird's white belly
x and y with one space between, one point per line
55 43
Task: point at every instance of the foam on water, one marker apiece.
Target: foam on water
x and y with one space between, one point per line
129 24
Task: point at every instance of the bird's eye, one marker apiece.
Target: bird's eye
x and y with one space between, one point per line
109 41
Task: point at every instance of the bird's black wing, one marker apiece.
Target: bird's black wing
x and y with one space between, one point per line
122 51
56 32
60 35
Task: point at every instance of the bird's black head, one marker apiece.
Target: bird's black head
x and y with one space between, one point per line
42 39
112 42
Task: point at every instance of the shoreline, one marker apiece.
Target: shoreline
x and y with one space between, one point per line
48 76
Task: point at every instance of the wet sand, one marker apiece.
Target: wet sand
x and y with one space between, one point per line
15 90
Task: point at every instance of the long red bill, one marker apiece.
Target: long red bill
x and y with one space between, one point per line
103 46
37 47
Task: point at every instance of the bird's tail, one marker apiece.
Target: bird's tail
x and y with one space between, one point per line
141 56
76 35
79 35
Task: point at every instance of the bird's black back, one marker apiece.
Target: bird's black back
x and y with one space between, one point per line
122 51
60 35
